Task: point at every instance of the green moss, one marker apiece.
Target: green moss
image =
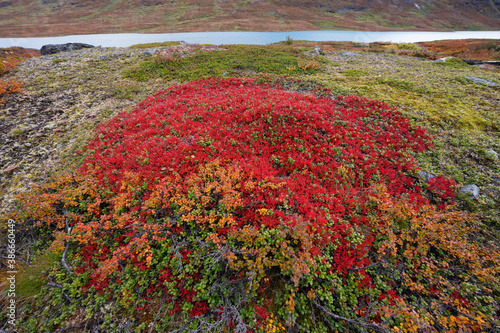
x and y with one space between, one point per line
402 84
235 61
17 131
408 46
57 61
453 62
354 72
125 90
150 45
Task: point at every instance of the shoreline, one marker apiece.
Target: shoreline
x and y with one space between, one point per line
249 37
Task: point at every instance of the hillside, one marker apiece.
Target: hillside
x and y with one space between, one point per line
279 188
52 18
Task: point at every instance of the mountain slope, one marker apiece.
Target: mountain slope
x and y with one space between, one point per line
53 17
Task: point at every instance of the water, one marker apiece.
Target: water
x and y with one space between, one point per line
262 38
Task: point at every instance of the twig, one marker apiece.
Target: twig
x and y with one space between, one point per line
157 314
61 330
354 322
56 285
366 267
63 259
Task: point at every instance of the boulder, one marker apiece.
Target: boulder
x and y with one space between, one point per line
425 175
493 154
442 59
347 54
478 80
472 189
57 48
318 50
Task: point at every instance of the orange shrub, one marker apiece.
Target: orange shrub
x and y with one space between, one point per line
8 86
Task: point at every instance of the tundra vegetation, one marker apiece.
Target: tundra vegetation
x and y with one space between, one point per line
269 189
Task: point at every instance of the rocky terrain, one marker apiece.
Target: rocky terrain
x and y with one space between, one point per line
64 98
30 18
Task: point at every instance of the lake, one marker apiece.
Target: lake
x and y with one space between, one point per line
262 38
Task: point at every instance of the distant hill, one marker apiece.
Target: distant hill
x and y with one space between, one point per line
20 18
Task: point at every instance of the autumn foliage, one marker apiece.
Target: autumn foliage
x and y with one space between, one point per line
472 49
233 205
9 59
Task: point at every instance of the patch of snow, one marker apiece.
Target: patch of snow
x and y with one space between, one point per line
417 5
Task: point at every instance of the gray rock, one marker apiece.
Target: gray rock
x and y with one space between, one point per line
318 50
57 48
442 59
472 189
496 181
425 175
493 154
347 54
482 81
346 9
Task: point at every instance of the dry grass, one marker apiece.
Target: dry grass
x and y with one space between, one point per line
466 49
33 18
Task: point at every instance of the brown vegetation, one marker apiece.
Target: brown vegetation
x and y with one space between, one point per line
9 59
466 49
51 18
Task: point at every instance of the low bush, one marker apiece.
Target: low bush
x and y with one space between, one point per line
8 86
233 205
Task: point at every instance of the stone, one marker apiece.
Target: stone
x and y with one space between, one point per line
347 54
472 189
57 48
493 154
10 168
442 59
496 181
478 80
318 50
425 175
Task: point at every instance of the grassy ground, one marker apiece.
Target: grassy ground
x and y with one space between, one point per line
92 86
463 115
